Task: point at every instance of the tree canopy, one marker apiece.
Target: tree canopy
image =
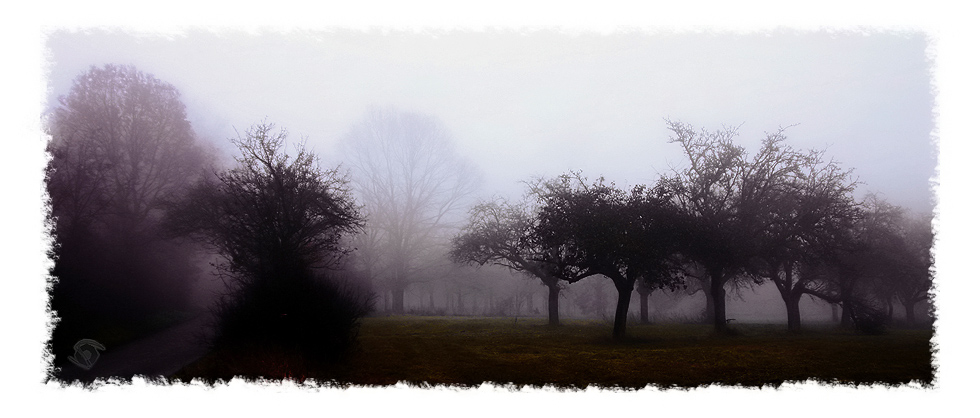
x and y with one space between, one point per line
625 236
271 214
121 148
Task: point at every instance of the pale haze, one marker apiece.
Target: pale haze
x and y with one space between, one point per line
522 104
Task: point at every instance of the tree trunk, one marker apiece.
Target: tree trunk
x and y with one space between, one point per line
791 297
622 308
398 300
793 312
834 314
891 309
553 292
709 307
845 316
909 313
644 308
718 298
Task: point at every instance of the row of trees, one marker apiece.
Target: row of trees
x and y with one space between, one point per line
128 181
727 219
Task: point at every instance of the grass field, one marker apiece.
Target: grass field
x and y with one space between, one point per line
470 351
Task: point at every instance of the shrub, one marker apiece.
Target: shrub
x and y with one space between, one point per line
869 319
315 314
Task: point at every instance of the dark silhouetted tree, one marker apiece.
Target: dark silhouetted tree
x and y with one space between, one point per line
810 203
278 222
412 183
853 268
503 234
725 221
913 277
625 236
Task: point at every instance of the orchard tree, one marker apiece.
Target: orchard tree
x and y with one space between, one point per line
809 205
724 223
413 184
624 236
854 268
502 233
913 279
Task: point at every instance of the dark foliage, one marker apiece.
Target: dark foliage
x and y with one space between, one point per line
277 221
121 148
869 318
314 314
503 233
624 236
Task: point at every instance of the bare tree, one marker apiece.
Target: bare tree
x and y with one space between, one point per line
413 184
502 233
811 203
914 277
272 215
708 191
123 140
624 236
856 266
730 199
278 222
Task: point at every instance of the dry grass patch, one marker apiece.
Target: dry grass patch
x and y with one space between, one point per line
470 351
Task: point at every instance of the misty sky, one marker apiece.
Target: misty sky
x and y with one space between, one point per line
540 103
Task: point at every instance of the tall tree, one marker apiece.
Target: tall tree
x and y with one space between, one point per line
413 184
121 147
121 144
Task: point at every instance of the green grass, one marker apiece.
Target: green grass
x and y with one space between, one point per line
470 351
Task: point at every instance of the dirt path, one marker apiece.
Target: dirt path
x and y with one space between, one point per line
160 354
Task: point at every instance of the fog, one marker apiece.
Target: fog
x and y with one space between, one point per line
427 140
526 104
538 103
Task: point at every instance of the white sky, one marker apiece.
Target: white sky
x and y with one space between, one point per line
863 82
526 103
